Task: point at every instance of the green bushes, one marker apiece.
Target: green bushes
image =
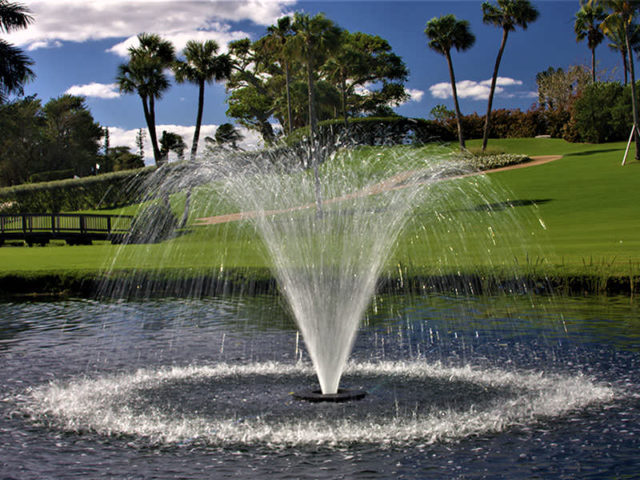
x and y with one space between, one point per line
376 131
488 162
110 190
51 176
505 123
601 113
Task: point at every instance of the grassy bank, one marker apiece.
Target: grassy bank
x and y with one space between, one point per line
571 224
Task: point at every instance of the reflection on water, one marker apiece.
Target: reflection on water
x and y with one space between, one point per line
586 339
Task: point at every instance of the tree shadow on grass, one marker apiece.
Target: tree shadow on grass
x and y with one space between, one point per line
499 206
590 152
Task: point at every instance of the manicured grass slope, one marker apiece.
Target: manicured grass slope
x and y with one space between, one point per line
580 214
589 203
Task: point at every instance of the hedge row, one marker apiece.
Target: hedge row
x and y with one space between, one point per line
375 131
52 175
110 190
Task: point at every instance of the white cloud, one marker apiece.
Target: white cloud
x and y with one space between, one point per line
502 82
415 94
121 137
82 20
179 39
474 90
96 90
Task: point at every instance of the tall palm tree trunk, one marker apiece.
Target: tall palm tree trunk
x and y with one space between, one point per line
287 76
149 115
196 133
455 101
634 98
494 79
343 87
593 65
313 147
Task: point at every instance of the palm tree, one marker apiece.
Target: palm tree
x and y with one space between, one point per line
171 142
621 14
618 44
315 38
144 75
200 66
15 66
228 135
445 33
278 39
587 25
507 14
339 67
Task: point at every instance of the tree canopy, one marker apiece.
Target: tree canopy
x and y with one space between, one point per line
351 75
60 136
15 66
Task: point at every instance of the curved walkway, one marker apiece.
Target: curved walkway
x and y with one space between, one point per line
388 184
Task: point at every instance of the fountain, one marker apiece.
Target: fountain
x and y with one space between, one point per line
327 262
211 381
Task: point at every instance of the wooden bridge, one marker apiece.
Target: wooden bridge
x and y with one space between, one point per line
75 229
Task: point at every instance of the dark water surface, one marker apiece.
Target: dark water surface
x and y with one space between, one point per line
55 349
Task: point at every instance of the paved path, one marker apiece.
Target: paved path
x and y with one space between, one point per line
389 184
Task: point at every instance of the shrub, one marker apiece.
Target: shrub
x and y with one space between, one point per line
490 161
375 131
601 113
110 190
51 176
504 124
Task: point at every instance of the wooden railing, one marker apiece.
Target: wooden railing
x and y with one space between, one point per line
74 228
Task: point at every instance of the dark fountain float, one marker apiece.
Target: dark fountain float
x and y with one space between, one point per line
327 268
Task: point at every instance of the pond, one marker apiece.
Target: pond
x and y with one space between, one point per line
457 387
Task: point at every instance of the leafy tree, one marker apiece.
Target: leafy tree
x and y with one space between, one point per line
445 33
145 75
557 91
22 143
61 136
251 97
361 61
15 66
587 25
72 135
558 88
440 113
253 110
201 65
505 14
121 158
601 113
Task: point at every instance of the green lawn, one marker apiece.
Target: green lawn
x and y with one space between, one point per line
579 214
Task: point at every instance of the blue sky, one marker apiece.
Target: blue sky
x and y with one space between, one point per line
77 46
